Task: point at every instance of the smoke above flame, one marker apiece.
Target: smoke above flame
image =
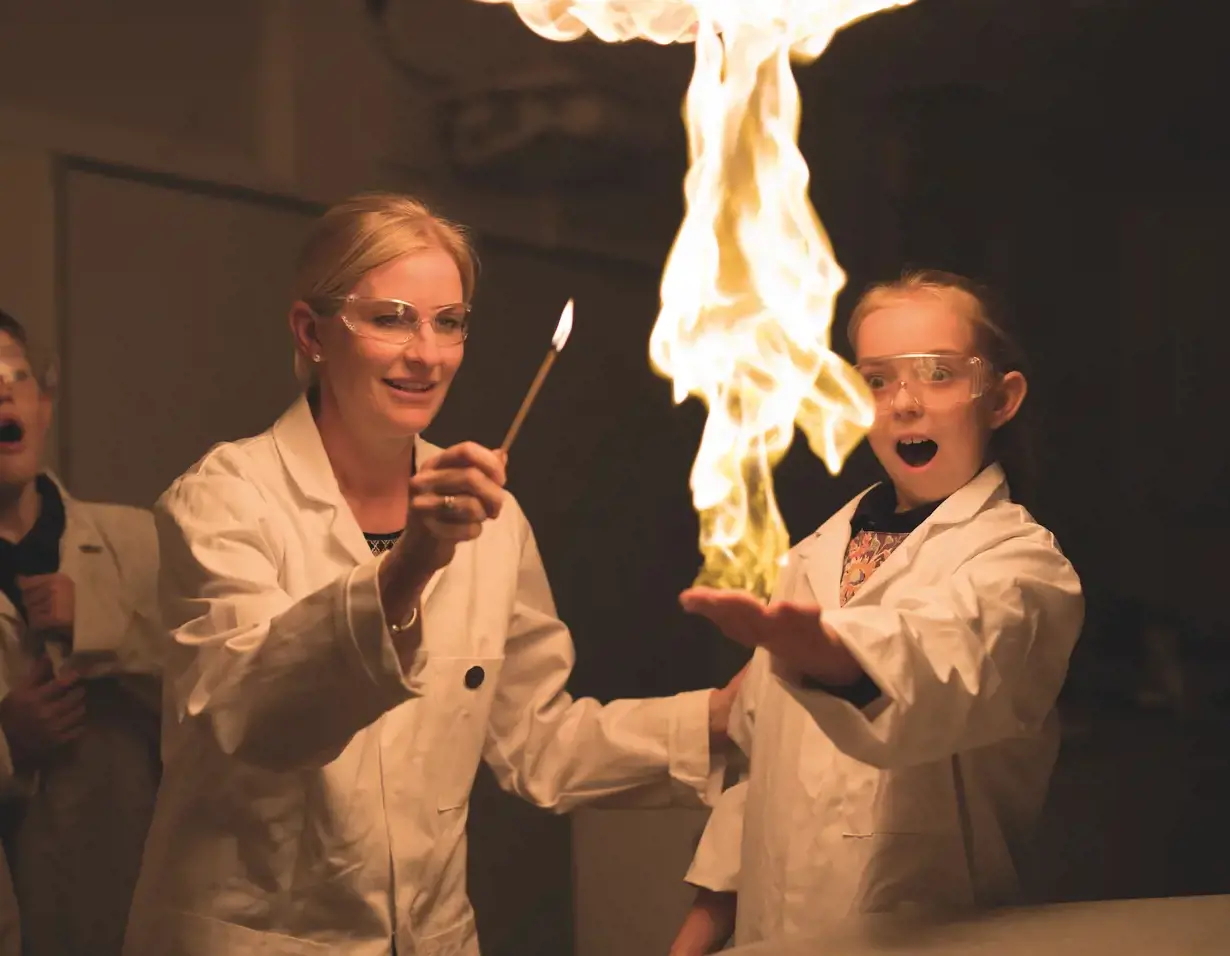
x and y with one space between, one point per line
749 287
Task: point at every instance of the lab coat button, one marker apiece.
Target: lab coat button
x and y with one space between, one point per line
474 677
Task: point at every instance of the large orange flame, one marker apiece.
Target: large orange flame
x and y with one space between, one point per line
750 284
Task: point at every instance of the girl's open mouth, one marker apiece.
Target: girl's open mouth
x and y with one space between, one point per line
916 452
11 432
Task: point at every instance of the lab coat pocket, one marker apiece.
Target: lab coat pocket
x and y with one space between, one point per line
900 843
904 801
460 690
458 940
103 615
894 872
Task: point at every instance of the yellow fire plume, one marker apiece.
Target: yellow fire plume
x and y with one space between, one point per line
750 283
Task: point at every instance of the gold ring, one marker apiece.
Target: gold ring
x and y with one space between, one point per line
449 502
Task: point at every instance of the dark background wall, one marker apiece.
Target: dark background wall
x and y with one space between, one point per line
1070 152
1072 156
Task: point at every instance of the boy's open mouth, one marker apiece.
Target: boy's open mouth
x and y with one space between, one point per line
917 452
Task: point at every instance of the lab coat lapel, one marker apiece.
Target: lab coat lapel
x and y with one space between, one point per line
14 650
422 451
822 556
81 547
960 506
304 457
101 613
10 620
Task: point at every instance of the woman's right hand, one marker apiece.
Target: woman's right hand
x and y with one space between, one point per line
451 496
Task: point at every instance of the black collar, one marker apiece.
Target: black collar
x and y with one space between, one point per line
877 511
39 551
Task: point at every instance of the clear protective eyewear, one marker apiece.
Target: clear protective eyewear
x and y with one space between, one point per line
17 374
935 380
394 322
14 377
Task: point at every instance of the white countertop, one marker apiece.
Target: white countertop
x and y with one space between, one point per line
1183 926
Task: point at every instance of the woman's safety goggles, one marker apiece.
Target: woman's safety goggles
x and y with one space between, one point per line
935 380
394 322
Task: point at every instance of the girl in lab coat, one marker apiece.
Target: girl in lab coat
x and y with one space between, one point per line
899 713
80 645
358 619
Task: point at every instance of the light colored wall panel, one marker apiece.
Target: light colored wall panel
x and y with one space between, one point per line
175 331
628 885
28 250
185 69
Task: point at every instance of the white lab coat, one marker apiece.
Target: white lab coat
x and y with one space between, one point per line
10 921
921 798
314 797
76 828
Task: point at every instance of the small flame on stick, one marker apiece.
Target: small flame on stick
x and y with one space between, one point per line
562 331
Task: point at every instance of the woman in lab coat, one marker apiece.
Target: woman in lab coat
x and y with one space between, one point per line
359 618
79 684
899 711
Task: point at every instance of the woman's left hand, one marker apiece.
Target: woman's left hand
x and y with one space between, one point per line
450 499
794 633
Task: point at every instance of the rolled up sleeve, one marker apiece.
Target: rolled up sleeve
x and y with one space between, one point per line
961 665
282 683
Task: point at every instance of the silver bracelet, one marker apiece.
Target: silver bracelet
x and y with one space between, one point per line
398 628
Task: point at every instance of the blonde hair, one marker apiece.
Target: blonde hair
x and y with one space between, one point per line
363 233
971 301
1012 443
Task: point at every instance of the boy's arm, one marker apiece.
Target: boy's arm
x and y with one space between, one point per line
715 874
708 925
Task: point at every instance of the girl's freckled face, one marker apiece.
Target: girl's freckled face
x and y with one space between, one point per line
923 324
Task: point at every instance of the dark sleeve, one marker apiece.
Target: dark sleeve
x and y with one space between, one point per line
862 692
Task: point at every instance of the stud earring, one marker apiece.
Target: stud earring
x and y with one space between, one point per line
316 357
